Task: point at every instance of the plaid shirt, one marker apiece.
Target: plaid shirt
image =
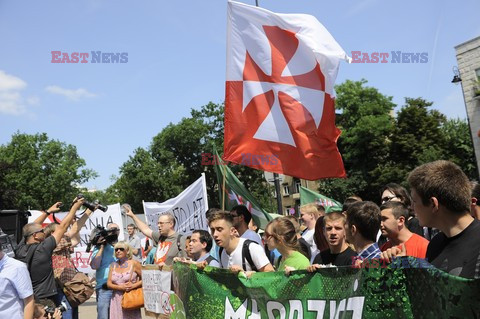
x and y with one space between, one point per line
370 252
63 268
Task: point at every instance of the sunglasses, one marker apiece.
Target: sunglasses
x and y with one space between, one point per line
121 249
388 198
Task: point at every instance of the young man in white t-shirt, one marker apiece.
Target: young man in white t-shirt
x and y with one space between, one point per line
232 248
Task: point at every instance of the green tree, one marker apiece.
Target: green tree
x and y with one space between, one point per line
36 172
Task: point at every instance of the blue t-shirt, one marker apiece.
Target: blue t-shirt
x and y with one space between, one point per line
101 273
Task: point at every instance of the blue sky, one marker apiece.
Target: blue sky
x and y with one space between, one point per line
176 61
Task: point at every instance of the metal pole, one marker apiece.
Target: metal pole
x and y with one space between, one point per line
256 3
279 195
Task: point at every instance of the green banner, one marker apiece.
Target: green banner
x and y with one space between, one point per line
308 196
337 292
235 193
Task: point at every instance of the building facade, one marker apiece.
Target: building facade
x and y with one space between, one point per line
290 193
468 59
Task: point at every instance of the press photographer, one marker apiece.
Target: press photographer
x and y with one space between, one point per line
47 310
102 257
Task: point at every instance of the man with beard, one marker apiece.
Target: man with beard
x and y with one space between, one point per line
339 253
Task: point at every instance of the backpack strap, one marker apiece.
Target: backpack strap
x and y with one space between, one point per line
220 251
247 256
209 259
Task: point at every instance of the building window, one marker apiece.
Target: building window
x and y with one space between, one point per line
297 186
286 191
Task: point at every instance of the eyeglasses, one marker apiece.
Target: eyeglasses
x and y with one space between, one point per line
163 223
388 198
119 248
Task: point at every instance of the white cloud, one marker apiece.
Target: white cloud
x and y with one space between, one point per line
74 95
358 7
11 101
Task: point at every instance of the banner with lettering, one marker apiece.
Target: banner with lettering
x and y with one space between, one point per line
335 292
188 208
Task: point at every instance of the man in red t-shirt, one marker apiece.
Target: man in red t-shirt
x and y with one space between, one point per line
394 216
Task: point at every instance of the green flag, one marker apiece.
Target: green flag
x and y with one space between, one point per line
236 194
308 196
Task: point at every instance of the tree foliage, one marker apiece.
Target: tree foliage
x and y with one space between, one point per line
35 172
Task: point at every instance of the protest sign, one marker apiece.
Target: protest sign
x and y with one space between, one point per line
334 292
188 208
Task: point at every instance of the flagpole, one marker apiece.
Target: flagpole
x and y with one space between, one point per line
223 190
276 180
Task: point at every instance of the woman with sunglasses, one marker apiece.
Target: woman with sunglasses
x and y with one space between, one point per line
280 234
125 275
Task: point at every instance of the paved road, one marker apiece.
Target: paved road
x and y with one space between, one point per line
88 310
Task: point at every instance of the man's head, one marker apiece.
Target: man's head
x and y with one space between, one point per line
241 216
394 215
349 201
131 229
221 227
200 243
309 215
475 206
166 224
334 229
363 222
33 233
395 193
439 185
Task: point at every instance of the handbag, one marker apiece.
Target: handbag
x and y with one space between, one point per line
132 299
78 290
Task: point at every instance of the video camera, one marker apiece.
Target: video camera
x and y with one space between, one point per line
92 206
109 235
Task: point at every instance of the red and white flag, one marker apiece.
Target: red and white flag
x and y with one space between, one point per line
279 104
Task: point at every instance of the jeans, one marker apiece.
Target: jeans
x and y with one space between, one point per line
71 312
103 303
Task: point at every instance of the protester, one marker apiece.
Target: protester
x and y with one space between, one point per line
134 242
125 275
309 215
169 243
396 193
442 197
200 246
102 257
361 228
16 292
241 219
319 236
349 202
304 246
36 251
280 234
338 252
232 248
41 313
393 227
63 267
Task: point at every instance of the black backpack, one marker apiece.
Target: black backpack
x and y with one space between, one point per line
245 255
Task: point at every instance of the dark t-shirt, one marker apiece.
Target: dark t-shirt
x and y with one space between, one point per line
345 258
458 255
413 225
41 272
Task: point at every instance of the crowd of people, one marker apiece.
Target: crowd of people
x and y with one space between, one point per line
437 222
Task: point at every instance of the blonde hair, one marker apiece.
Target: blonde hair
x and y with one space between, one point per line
126 246
283 231
310 209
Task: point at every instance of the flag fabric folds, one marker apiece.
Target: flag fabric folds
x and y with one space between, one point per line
279 105
308 196
235 193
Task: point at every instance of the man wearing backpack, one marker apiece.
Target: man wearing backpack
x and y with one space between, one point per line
36 251
235 253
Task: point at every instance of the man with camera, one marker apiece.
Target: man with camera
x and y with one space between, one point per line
102 257
36 251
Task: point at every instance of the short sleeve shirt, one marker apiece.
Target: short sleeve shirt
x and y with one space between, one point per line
167 247
134 242
101 273
15 285
41 272
256 251
250 234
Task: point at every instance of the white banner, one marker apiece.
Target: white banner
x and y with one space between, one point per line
188 208
80 257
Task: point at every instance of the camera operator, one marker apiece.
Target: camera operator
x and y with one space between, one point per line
36 251
47 310
102 257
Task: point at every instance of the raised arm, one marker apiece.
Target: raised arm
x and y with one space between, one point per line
73 233
140 225
53 209
62 228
